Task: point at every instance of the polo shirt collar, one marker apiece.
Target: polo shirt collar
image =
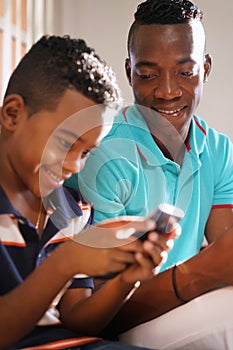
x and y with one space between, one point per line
141 134
61 207
197 136
146 145
64 207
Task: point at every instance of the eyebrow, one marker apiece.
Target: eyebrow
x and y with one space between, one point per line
146 63
154 64
77 137
186 60
69 133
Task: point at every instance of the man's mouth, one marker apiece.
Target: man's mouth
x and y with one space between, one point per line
170 113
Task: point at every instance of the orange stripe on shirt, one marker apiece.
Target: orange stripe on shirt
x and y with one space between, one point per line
62 344
59 240
84 205
14 244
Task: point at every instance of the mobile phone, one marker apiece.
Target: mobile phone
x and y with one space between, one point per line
165 215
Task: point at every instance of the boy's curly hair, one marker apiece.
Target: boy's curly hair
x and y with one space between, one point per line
55 64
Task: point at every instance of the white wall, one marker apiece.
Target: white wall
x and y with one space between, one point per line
104 25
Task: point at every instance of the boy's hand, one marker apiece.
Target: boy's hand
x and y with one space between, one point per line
147 255
97 251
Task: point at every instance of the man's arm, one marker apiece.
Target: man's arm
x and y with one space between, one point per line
211 268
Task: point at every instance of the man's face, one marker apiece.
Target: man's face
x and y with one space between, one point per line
48 147
166 70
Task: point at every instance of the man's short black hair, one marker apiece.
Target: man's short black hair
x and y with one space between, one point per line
163 12
55 64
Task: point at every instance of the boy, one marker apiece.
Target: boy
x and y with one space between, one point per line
52 117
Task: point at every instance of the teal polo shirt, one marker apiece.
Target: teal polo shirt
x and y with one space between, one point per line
129 175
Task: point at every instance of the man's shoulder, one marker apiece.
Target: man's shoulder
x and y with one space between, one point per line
212 134
129 124
119 127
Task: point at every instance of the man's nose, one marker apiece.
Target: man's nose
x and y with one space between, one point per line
167 87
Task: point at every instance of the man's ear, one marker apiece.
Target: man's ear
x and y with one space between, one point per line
207 67
12 110
128 70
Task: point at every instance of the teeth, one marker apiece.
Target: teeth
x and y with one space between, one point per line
170 112
53 176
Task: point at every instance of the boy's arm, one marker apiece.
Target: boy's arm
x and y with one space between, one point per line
91 315
23 307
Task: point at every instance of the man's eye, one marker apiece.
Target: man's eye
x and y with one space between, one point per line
147 76
187 74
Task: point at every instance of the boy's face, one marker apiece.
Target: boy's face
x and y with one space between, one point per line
45 149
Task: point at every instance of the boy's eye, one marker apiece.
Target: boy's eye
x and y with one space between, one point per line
65 144
86 153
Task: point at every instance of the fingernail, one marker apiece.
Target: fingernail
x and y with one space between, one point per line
178 230
164 256
170 243
148 245
153 236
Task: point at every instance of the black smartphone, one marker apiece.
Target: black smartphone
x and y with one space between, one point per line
165 215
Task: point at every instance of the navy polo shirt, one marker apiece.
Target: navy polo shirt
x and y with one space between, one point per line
21 250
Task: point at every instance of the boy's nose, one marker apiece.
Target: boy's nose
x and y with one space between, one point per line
74 165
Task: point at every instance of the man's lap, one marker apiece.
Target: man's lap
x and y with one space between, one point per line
204 323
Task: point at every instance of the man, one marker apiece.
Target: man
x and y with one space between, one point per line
54 114
159 150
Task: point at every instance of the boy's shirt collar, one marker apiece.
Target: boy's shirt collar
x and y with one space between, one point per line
61 207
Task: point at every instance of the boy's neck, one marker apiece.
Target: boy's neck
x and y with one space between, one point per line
28 205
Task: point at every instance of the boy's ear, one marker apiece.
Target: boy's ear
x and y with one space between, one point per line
12 110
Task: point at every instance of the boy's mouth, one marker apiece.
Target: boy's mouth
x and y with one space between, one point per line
52 179
54 176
